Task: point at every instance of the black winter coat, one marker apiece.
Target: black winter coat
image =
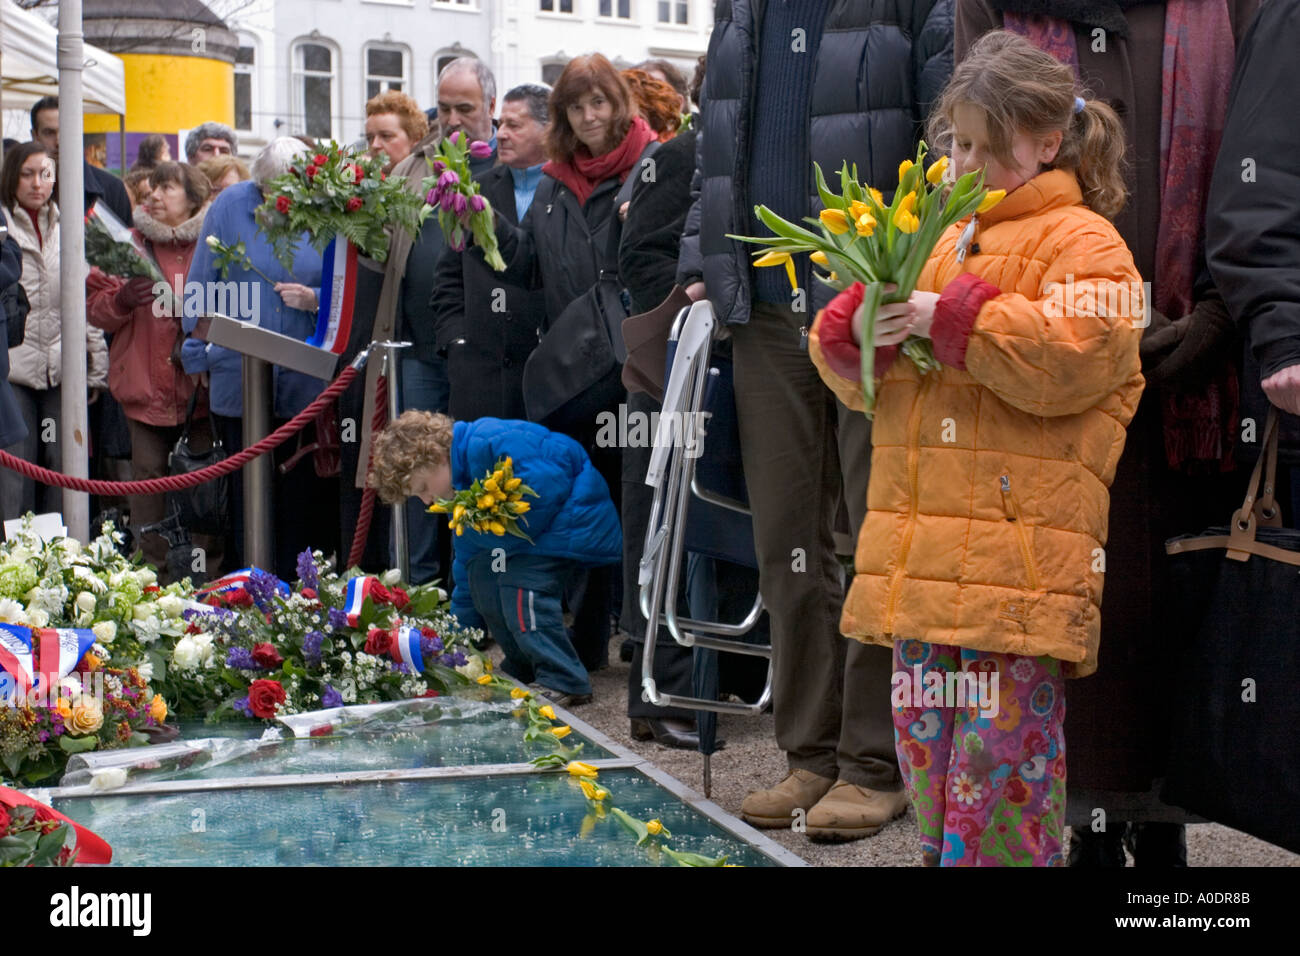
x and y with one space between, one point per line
12 427
880 66
1253 221
656 216
485 326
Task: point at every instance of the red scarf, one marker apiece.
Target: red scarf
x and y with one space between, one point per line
1198 59
586 172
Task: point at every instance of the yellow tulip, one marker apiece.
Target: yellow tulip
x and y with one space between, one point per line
834 277
438 508
518 693
934 175
497 528
563 731
906 222
158 708
508 463
591 791
460 529
498 475
587 826
520 507
513 483
865 224
858 209
994 197
500 496
819 257
908 204
487 665
458 513
903 167
834 220
490 485
547 711
779 259
486 501
877 195
485 679
654 827
580 769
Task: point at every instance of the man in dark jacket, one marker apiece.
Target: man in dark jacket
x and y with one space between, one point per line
789 83
485 327
12 427
1252 237
99 184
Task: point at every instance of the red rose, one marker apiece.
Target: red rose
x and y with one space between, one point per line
4 821
430 693
263 695
265 655
240 599
152 589
311 170
354 204
309 593
360 173
320 159
380 594
428 632
282 203
377 642
324 730
400 598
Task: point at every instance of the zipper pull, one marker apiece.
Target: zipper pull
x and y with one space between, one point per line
1005 481
803 338
967 234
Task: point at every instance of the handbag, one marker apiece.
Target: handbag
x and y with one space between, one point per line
1234 755
575 371
646 337
205 508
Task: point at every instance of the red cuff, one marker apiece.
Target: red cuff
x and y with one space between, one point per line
954 317
835 335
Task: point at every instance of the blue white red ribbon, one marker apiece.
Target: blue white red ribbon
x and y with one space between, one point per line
355 596
230 585
338 296
27 654
407 649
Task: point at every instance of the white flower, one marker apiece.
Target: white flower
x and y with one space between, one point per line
142 612
109 778
214 243
473 668
145 669
72 684
49 600
38 618
105 632
86 602
146 577
70 546
11 612
187 654
390 577
89 579
148 630
171 605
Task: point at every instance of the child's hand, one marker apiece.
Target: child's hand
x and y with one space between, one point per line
896 323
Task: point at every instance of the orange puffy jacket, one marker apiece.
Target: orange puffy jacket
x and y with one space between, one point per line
987 505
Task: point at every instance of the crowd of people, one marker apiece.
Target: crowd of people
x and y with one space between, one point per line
1088 432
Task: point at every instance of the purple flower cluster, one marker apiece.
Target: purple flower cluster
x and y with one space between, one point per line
307 570
241 705
399 667
311 652
338 618
331 698
261 587
454 659
430 647
241 658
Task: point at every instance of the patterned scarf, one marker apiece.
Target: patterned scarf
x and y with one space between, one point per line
1196 73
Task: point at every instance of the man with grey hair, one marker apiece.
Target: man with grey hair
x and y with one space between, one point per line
466 101
208 140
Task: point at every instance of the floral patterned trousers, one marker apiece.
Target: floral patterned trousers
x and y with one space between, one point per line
981 745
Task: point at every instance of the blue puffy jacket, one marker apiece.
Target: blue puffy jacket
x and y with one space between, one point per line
230 219
572 517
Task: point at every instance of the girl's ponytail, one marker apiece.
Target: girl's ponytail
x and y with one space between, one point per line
1098 137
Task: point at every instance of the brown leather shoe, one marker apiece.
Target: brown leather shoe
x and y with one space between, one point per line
850 812
774 808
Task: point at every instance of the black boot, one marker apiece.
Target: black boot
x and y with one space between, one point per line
1098 849
1157 844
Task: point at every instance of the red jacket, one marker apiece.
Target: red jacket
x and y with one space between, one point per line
140 372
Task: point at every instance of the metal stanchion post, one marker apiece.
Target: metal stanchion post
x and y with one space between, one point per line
257 473
401 543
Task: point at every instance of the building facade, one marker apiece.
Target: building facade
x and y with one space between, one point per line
308 66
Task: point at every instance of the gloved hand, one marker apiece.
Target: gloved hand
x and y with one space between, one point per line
135 293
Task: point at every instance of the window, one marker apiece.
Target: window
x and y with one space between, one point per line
675 11
465 4
385 69
621 9
314 88
245 61
556 6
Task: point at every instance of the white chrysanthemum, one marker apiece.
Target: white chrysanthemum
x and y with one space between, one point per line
148 630
47 599
11 612
37 618
145 669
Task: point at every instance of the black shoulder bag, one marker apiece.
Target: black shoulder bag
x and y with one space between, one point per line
205 508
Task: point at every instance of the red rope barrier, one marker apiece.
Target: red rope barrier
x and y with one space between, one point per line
368 497
154 486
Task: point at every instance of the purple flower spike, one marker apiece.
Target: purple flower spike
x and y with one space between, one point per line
338 618
479 149
477 203
449 178
331 698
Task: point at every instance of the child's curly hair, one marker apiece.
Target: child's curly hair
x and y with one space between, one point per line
1021 88
411 441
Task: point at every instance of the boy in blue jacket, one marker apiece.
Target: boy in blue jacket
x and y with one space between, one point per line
504 583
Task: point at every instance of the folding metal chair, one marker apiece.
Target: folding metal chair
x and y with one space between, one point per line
700 505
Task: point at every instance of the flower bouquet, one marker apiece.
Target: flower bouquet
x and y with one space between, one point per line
337 192
114 250
493 503
26 840
857 238
462 209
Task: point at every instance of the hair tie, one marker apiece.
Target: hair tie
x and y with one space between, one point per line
1079 104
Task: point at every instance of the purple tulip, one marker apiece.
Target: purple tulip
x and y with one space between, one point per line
439 166
477 203
447 199
434 196
458 204
455 136
479 149
449 178
458 244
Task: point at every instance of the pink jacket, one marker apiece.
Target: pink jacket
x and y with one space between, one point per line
140 372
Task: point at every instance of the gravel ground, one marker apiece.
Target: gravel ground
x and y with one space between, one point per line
752 761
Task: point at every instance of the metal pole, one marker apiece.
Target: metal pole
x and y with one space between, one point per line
401 544
257 473
73 438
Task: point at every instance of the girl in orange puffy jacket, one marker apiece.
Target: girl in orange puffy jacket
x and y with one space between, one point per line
981 558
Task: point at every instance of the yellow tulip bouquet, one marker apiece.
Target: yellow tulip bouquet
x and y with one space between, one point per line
493 504
857 238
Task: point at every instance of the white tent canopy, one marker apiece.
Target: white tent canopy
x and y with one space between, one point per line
30 69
